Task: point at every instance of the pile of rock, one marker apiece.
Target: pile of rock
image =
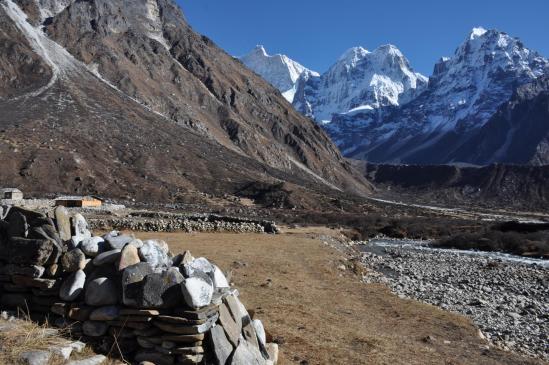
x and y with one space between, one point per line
118 292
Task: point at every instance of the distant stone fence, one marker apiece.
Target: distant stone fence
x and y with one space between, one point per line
32 204
118 292
156 222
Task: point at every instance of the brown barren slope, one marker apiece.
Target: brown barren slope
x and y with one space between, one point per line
326 317
100 105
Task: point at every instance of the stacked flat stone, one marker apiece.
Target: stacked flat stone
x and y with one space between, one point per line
30 248
173 222
118 292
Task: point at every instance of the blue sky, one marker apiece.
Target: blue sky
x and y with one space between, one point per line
316 32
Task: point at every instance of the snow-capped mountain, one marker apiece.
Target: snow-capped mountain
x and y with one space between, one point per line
375 107
359 81
279 70
464 92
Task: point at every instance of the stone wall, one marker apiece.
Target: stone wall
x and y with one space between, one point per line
157 222
33 204
125 296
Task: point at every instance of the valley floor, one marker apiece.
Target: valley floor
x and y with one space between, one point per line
305 284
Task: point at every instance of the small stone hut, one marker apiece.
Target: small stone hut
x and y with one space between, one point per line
11 194
78 201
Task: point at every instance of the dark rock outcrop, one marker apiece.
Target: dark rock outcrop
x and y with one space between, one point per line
503 186
517 134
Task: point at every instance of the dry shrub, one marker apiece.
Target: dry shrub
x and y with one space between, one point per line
22 335
534 244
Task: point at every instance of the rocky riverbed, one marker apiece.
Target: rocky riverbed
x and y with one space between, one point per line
507 297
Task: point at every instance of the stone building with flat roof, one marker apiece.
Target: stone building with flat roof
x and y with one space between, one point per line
79 201
11 194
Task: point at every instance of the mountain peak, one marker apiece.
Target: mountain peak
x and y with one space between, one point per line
477 32
360 82
353 55
279 70
492 50
389 49
464 92
260 50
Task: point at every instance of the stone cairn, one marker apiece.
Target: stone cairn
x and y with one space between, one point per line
118 292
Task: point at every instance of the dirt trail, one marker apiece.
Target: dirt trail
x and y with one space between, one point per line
326 315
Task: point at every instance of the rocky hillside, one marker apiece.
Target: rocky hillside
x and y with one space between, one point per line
518 133
503 186
126 100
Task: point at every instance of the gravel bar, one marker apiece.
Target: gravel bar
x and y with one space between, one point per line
507 298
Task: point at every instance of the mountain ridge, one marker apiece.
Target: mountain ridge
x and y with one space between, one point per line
463 94
359 79
382 120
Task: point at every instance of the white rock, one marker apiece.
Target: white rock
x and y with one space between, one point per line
200 265
111 234
35 357
272 350
137 243
72 286
260 331
62 351
78 346
247 354
219 279
79 224
154 254
80 227
94 360
197 291
161 244
187 258
92 246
